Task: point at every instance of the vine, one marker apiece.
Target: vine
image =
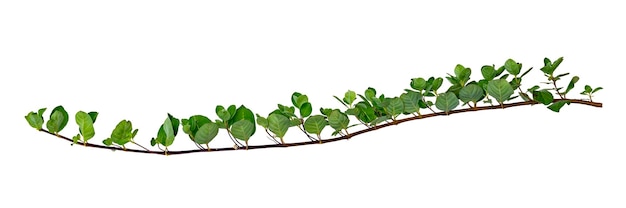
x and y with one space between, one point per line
372 111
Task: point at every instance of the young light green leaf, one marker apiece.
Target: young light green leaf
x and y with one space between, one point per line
302 99
262 121
471 93
500 89
315 124
242 130
206 133
222 113
278 124
556 106
338 120
349 97
446 102
85 125
122 133
35 120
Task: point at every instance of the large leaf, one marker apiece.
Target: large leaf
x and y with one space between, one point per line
206 133
242 130
446 102
500 89
512 67
244 113
85 125
411 101
191 125
338 120
471 93
170 129
395 106
122 133
35 120
278 124
489 72
58 120
418 84
315 124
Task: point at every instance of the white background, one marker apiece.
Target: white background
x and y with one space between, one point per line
139 60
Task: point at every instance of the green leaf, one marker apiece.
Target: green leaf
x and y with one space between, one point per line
597 89
93 115
262 121
58 120
370 93
206 133
462 74
587 89
489 72
278 124
556 106
35 120
572 82
122 133
75 139
446 102
85 125
305 110
411 101
108 142
349 97
222 113
543 96
244 113
338 120
294 98
500 89
395 106
301 101
436 84
512 67
242 130
516 82
471 93
191 125
418 84
170 129
315 124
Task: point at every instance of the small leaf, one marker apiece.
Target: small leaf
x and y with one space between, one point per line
446 102
556 106
305 110
108 142
301 101
85 125
588 89
35 120
500 89
370 93
222 113
315 124
294 98
93 115
122 133
58 120
597 89
512 67
242 130
262 121
206 133
278 124
489 72
349 97
75 139
471 93
436 84
571 84
418 84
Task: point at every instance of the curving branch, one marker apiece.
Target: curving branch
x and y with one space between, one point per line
373 128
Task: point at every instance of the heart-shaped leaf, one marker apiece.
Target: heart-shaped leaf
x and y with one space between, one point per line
278 124
471 93
512 67
242 130
315 124
338 120
244 113
489 72
206 133
411 101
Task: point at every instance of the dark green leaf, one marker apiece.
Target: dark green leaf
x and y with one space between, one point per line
93 115
571 84
556 106
58 120
588 89
395 106
597 89
437 84
411 101
306 109
446 102
543 96
243 113
294 98
370 93
500 89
